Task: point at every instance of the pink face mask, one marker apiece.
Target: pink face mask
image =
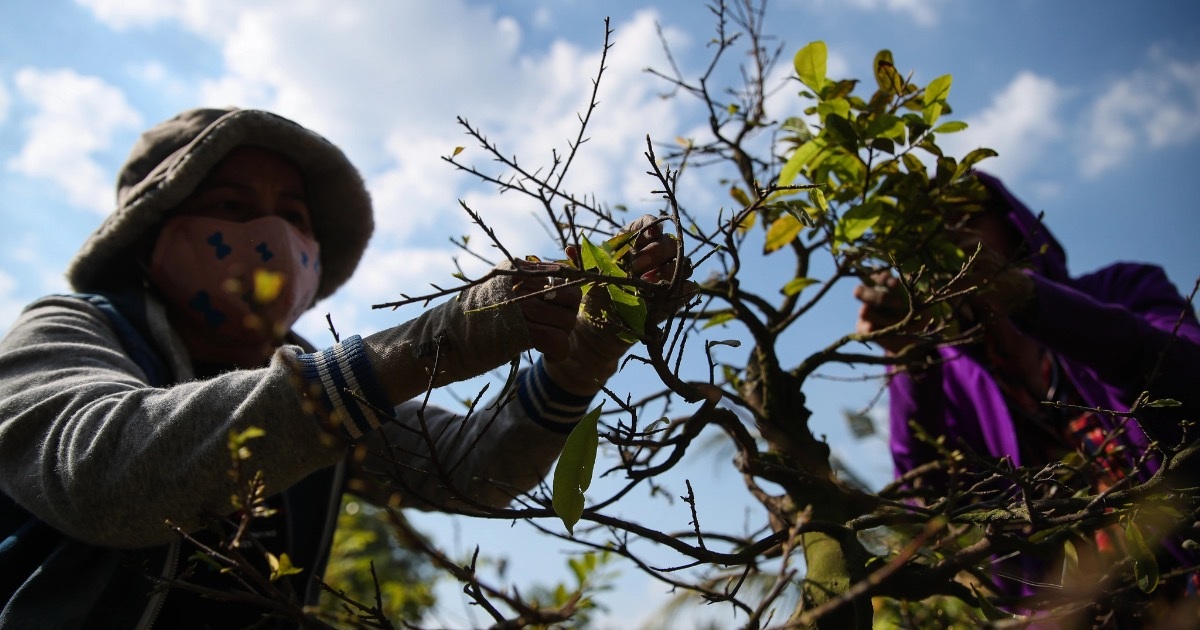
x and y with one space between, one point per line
247 282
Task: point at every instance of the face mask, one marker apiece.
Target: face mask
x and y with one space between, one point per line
245 282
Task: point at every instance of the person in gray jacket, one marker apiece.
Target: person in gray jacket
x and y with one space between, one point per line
117 403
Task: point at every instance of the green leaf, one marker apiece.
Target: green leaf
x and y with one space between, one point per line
619 245
935 99
938 90
596 259
887 145
886 76
718 319
859 219
913 163
842 129
630 307
1145 566
971 159
796 285
840 107
951 127
799 159
931 113
818 199
573 473
783 231
1164 402
810 63
886 126
739 196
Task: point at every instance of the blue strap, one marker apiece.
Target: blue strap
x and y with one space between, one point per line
135 344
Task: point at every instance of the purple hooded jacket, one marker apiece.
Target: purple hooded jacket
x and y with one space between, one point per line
1108 330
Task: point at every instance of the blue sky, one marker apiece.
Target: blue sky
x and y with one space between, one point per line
1094 107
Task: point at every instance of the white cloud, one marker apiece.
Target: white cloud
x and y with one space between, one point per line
159 77
1152 109
123 14
76 118
922 12
1021 121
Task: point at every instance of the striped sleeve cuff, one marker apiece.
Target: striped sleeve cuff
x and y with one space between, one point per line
349 388
547 404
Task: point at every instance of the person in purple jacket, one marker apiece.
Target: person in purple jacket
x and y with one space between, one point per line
1096 341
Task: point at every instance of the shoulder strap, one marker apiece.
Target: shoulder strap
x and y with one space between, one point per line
132 339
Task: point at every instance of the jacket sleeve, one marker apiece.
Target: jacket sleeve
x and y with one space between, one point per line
434 459
1121 323
90 448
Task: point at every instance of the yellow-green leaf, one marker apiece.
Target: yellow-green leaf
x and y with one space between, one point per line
630 307
913 163
818 199
457 150
859 219
839 106
886 76
931 113
748 221
886 126
596 259
237 440
573 473
810 63
718 319
281 566
938 90
951 127
739 196
971 159
783 231
800 158
796 285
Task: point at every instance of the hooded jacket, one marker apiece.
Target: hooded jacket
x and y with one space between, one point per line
102 452
1110 331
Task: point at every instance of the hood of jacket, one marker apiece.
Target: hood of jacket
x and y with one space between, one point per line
1045 255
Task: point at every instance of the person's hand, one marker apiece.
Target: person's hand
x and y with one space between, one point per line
1000 287
550 314
595 347
884 304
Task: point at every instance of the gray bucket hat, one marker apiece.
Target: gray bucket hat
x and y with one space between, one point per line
170 160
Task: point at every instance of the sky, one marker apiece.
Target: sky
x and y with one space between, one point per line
1093 106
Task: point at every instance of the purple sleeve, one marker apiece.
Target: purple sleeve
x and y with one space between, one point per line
1118 322
913 398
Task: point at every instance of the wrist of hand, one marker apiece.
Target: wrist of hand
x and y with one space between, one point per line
578 375
594 357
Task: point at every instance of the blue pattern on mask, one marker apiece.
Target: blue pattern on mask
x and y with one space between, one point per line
202 302
264 252
217 240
